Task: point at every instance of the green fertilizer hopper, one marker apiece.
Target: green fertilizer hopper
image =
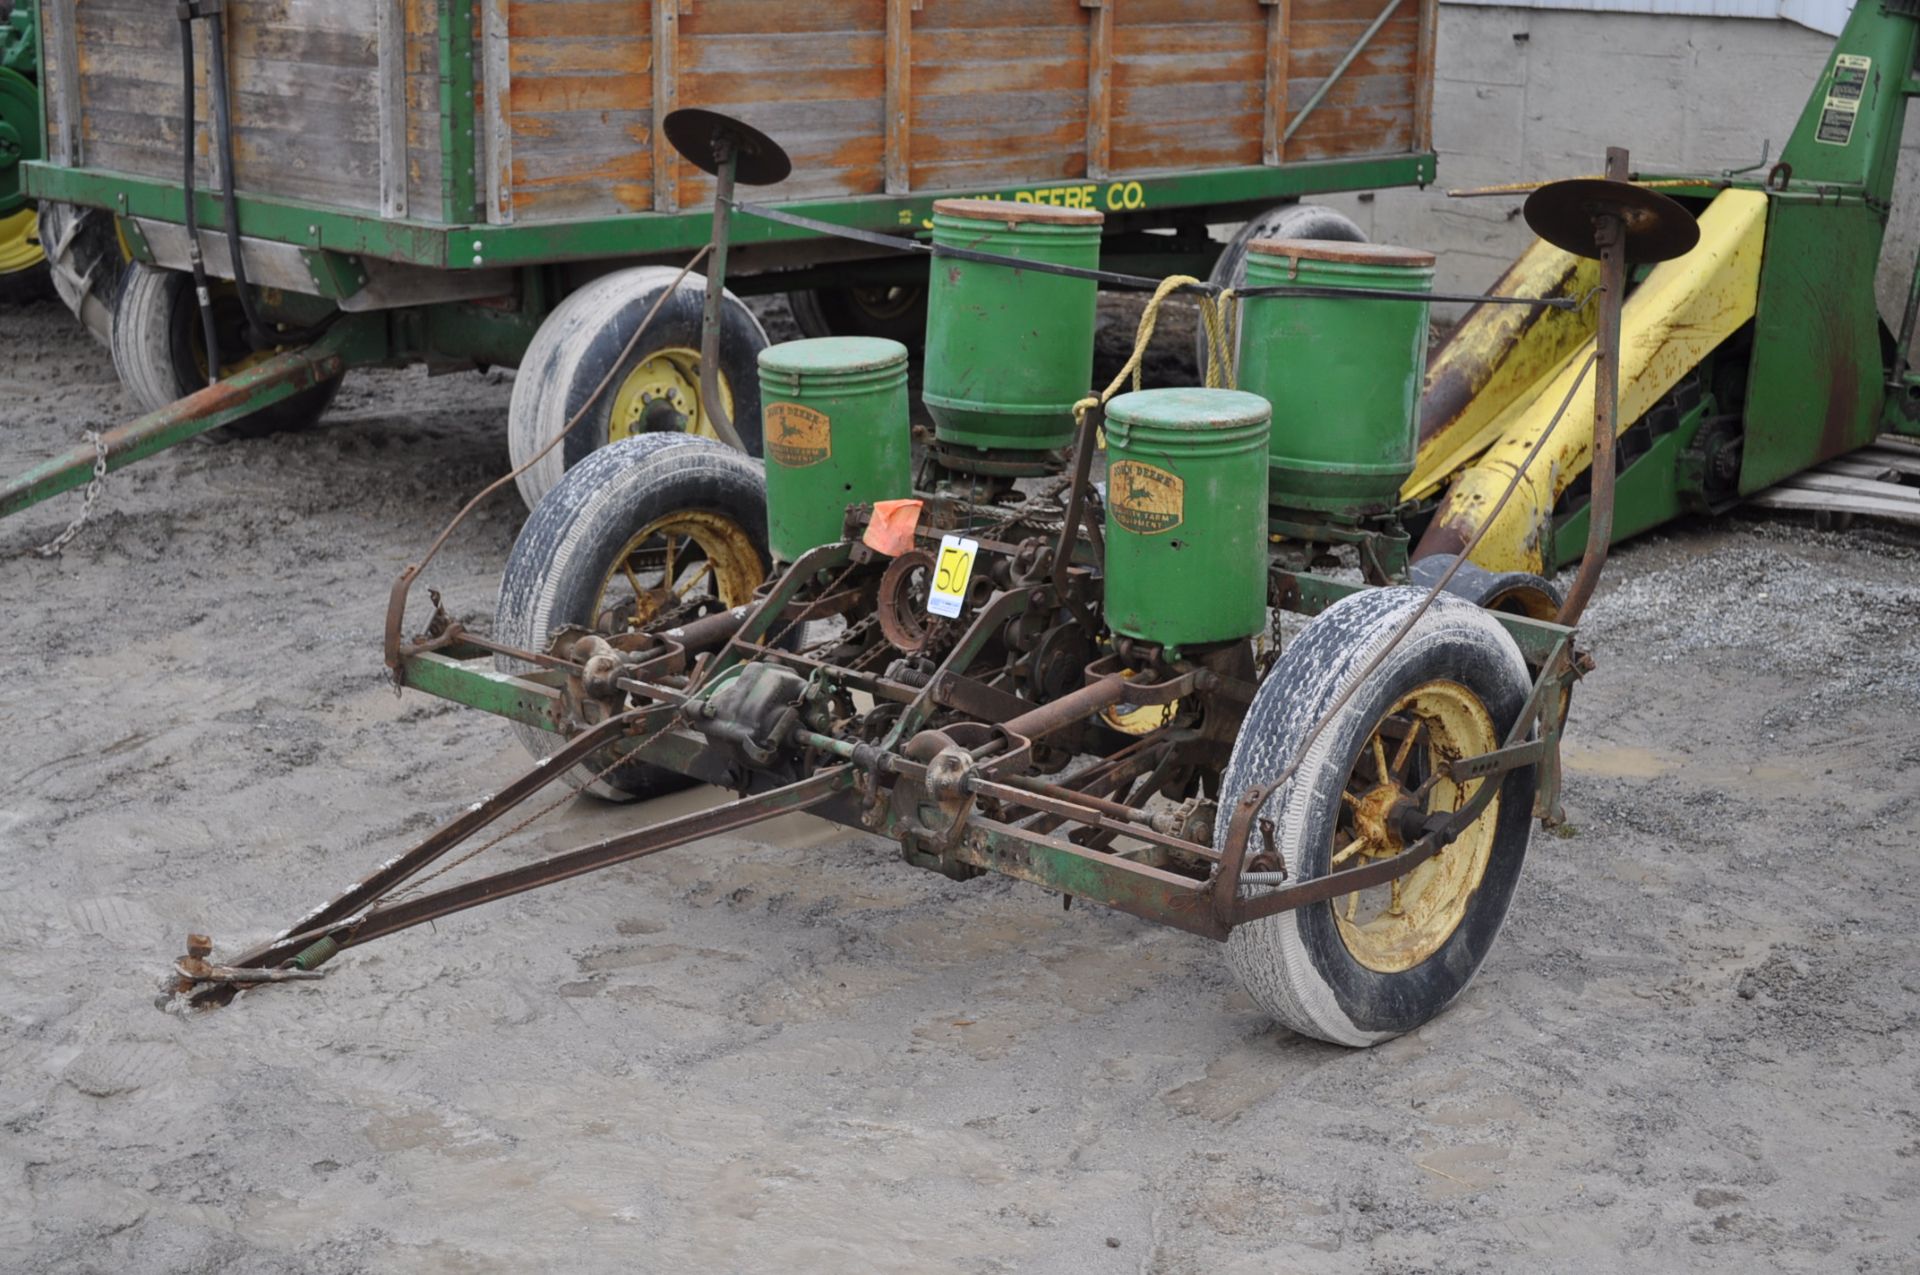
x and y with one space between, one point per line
1343 375
836 432
1009 350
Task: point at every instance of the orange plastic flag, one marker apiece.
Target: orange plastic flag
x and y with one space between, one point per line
891 529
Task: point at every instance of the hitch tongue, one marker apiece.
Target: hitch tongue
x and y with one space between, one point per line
197 972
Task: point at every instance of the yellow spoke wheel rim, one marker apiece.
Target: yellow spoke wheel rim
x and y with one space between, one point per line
666 380
687 554
19 242
1394 927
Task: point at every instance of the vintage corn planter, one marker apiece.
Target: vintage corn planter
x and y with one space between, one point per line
1073 677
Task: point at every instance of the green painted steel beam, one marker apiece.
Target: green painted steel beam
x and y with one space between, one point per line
457 141
314 226
1057 864
477 684
304 225
224 403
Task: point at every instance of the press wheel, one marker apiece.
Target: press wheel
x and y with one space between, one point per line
1367 966
649 530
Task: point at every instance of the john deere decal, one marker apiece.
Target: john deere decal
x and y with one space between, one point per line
798 436
1145 498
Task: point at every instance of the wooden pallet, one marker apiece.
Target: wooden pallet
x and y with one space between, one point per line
1881 480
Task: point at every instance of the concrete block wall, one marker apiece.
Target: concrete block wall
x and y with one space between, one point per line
1527 94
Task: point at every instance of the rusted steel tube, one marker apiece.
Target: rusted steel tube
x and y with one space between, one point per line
221 403
1610 232
1072 707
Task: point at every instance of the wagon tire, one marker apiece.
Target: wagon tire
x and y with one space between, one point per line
159 352
896 311
23 264
25 276
1325 970
86 260
1510 592
574 540
1287 221
655 389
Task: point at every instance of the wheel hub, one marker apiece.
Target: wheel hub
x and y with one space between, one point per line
19 242
662 395
1394 790
685 558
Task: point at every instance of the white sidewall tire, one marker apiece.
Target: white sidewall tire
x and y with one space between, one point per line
1294 964
576 345
142 337
567 546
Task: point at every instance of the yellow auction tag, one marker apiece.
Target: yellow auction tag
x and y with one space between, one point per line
950 575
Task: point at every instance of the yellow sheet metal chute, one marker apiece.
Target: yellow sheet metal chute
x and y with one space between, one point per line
1683 309
1498 353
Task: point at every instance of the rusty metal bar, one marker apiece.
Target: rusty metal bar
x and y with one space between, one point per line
221 403
352 928
625 848
444 838
1125 821
1073 707
1058 864
1610 233
1340 69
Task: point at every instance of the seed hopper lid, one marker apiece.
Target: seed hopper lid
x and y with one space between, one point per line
693 132
1358 254
1012 210
828 354
1189 408
1658 228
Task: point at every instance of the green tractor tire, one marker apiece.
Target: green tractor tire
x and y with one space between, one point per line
23 266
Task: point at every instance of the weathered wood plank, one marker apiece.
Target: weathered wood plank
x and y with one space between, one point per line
1100 73
899 96
666 69
392 82
622 55
1273 123
496 141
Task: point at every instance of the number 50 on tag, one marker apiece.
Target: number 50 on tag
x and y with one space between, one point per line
950 575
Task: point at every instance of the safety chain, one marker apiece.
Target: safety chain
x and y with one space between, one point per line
90 498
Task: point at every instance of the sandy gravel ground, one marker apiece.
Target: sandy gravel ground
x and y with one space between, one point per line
1691 1050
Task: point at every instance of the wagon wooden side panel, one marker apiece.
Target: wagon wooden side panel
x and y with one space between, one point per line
303 95
416 119
999 94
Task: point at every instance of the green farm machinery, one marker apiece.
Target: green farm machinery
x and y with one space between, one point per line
1049 645
23 266
1272 660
